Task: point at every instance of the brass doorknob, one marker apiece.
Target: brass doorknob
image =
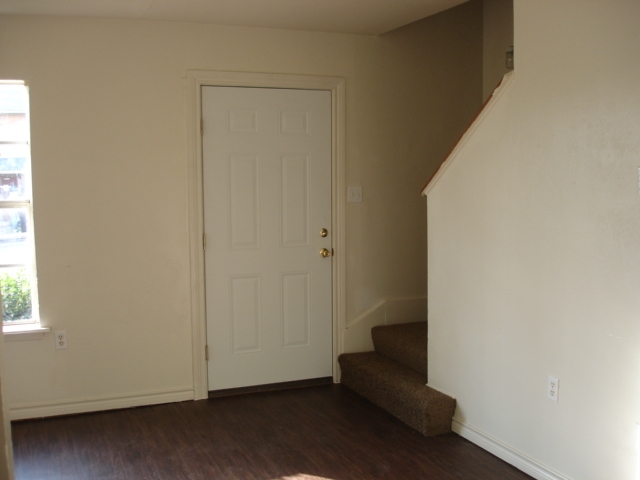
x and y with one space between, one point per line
324 232
324 253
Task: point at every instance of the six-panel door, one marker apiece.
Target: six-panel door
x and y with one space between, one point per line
267 199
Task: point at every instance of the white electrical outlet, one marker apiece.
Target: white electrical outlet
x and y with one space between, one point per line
553 386
354 194
61 339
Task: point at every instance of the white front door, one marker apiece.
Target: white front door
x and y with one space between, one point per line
267 209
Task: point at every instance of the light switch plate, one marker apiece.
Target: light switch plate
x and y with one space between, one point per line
354 194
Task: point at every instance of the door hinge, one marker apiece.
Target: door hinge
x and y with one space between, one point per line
204 241
201 127
206 352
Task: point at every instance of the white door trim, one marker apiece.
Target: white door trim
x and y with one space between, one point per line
196 79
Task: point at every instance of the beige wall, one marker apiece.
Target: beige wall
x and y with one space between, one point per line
534 235
110 178
497 37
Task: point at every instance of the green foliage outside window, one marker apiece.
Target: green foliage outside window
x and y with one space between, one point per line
16 295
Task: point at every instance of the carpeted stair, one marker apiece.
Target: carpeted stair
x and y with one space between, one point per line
394 377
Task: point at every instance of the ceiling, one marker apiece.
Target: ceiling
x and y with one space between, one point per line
367 17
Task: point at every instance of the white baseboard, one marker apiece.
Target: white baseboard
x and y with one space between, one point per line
84 405
505 452
357 336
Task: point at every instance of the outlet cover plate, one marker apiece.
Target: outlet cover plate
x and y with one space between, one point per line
60 337
553 386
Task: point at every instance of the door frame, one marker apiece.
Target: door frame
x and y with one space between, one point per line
196 79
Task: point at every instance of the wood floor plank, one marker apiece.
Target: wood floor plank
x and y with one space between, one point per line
312 433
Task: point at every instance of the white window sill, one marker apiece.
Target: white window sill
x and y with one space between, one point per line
24 332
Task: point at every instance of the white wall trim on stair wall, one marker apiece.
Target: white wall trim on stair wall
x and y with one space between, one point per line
95 404
495 96
356 337
505 452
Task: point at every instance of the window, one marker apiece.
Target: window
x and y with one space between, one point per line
17 253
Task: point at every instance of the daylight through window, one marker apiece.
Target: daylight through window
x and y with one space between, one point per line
17 257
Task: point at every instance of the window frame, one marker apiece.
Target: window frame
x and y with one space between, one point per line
32 324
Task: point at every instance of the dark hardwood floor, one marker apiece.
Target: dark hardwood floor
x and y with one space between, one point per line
323 432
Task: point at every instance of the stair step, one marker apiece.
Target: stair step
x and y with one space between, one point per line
398 389
405 343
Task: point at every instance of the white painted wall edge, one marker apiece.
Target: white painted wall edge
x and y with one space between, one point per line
495 97
505 452
84 405
367 314
357 336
